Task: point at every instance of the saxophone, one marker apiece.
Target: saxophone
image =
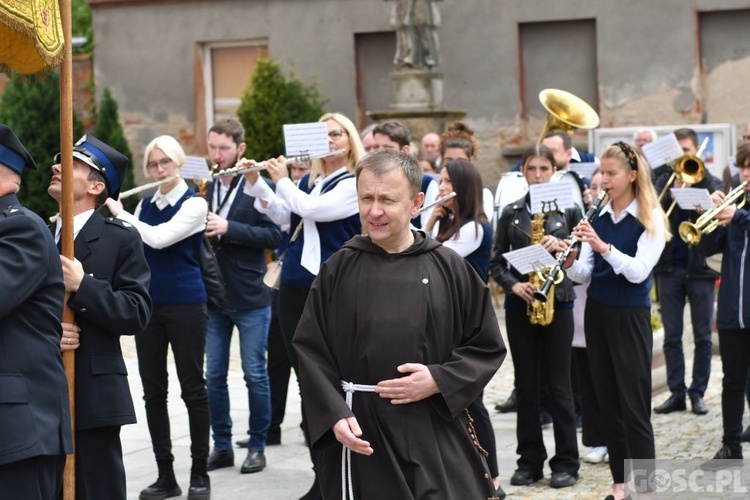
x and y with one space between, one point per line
540 313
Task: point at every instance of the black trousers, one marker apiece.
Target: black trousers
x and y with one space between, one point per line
734 346
100 472
589 404
279 369
35 478
182 326
619 344
291 304
533 346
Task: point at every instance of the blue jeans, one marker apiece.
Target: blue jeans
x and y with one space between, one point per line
253 329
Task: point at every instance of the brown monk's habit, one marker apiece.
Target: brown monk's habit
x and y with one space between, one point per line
367 313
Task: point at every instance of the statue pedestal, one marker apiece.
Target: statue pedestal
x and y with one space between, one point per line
418 103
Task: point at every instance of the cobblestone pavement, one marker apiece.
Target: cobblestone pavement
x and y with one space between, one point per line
288 475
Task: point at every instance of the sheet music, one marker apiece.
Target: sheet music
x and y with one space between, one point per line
662 150
195 168
531 258
556 192
306 138
583 169
692 198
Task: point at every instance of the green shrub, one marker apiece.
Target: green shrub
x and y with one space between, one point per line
271 100
31 107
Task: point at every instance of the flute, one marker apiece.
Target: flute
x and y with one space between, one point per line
240 169
445 198
146 187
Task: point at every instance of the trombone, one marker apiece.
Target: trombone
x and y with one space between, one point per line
691 232
690 169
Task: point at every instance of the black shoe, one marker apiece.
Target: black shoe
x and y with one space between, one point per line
699 406
510 405
562 479
164 487
524 477
724 459
500 494
314 492
255 462
242 443
745 437
218 459
674 403
200 488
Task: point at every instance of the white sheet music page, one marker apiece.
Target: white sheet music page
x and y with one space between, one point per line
662 150
306 138
583 169
692 198
551 196
195 168
531 258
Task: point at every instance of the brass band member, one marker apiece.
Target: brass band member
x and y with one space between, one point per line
620 249
534 345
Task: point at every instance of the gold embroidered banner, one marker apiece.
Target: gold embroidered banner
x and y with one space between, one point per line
31 35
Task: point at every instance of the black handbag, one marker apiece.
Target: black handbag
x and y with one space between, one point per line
212 279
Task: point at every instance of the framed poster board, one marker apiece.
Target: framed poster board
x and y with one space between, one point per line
722 141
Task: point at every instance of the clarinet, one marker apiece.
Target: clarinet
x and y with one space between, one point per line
541 294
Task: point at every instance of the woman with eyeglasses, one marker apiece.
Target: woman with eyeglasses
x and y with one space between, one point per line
323 210
171 223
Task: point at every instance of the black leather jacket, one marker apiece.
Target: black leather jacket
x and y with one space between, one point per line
512 233
696 265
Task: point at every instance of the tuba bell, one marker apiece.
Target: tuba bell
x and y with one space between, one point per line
566 112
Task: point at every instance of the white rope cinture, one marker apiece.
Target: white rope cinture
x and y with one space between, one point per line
346 453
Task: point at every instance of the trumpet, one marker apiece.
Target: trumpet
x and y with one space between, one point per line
689 169
242 169
691 232
439 201
146 187
556 275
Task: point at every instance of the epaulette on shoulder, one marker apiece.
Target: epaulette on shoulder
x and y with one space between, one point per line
123 224
11 211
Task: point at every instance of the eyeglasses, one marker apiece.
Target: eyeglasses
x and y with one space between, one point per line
163 163
335 134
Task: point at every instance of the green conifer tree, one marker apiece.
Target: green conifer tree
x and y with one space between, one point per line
32 109
271 100
109 130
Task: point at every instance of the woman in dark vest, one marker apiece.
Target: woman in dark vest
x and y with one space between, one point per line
325 204
621 246
461 225
171 223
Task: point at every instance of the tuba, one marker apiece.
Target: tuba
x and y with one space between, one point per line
566 112
540 312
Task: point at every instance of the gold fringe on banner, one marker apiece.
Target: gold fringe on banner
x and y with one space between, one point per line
31 36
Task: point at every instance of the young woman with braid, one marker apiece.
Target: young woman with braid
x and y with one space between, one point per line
620 247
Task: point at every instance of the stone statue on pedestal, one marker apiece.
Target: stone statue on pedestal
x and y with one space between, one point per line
416 23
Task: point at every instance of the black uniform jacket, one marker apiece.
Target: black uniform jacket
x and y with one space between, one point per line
34 409
112 301
513 230
241 251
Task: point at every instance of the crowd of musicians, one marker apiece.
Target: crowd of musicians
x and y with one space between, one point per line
582 357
